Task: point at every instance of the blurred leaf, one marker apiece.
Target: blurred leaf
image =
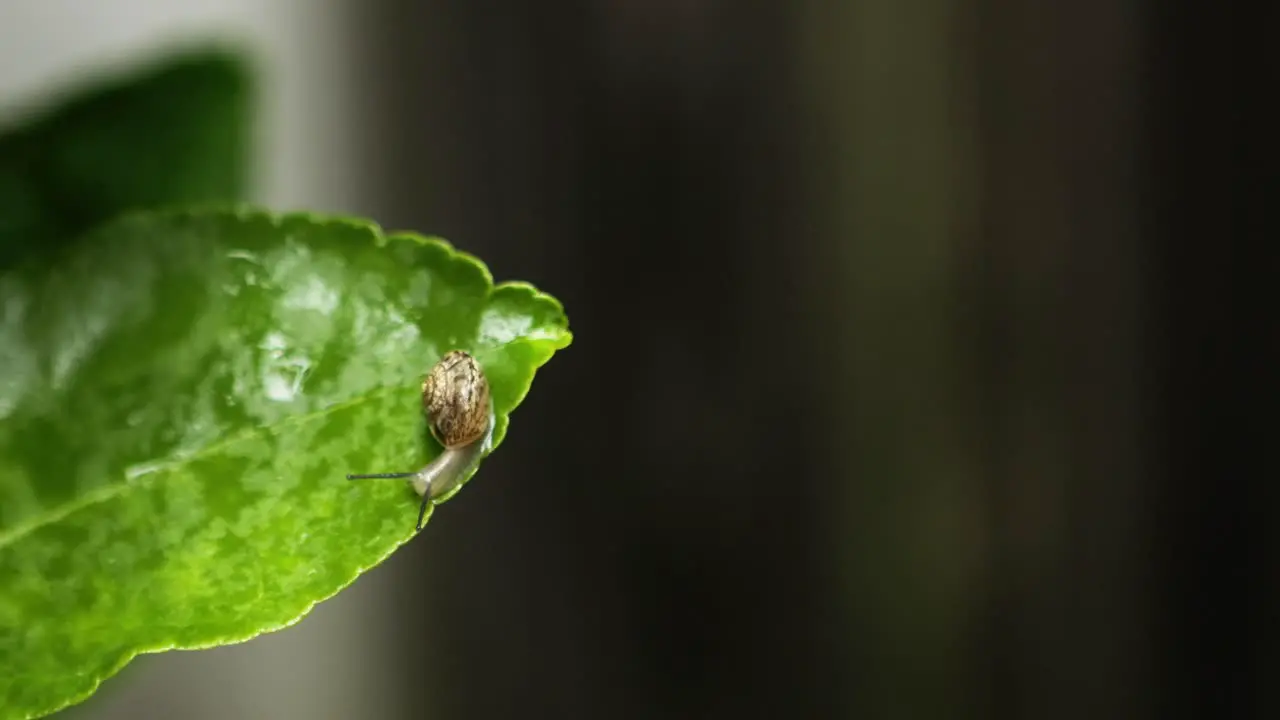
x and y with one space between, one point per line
174 133
181 395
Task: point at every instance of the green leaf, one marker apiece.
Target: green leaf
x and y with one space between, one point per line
181 396
176 132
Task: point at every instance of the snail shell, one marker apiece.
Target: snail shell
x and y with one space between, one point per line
455 397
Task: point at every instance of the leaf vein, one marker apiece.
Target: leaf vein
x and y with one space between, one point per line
113 490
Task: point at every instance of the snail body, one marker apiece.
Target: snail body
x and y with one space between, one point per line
459 410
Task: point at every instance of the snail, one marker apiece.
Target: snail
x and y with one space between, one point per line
455 398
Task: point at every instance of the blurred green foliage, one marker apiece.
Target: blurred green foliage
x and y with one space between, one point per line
176 132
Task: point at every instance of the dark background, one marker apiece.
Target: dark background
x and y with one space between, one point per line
911 375
908 378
